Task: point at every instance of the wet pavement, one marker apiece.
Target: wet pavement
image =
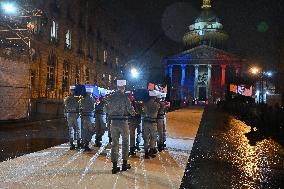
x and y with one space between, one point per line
58 167
226 154
19 138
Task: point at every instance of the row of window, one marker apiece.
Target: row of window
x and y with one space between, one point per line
68 43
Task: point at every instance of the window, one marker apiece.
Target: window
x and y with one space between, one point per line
50 72
68 39
80 44
87 76
105 56
54 32
109 78
77 75
65 75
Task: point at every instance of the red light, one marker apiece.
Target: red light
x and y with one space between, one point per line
206 102
195 102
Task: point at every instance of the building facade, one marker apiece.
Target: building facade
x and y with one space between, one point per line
65 43
202 71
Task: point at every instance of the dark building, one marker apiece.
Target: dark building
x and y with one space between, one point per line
65 43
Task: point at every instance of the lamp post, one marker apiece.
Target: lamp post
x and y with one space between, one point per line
261 74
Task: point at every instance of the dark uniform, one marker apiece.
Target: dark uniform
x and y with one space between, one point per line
118 109
100 127
87 106
150 127
72 110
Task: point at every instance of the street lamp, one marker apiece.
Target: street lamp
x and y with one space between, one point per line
254 70
134 72
9 7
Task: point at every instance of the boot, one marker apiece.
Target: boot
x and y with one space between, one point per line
132 151
79 144
160 147
151 153
109 140
154 150
86 147
125 165
137 148
115 169
146 154
72 146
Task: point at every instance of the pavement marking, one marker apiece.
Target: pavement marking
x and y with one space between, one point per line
165 170
144 172
92 160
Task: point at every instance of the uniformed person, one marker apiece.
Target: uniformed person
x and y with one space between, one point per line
87 106
118 109
160 122
151 108
72 110
100 125
134 124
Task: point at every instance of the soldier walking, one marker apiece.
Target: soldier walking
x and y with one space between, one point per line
151 108
87 106
134 124
160 123
72 110
118 109
100 126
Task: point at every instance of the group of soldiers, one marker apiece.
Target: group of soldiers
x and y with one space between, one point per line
124 117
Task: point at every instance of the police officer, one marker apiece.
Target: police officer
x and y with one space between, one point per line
134 124
118 109
151 108
72 110
100 124
87 106
160 122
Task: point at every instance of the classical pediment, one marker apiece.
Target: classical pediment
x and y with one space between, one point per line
204 52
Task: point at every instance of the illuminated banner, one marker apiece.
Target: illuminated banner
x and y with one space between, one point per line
241 89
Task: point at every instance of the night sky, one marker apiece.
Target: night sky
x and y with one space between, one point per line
254 27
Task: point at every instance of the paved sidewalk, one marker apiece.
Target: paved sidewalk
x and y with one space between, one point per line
223 157
58 167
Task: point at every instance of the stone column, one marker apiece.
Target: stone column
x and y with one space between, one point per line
209 81
195 80
237 68
223 76
183 66
171 73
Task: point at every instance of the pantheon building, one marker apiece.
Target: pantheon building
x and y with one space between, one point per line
204 69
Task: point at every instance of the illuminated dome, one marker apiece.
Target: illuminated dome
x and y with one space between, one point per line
207 30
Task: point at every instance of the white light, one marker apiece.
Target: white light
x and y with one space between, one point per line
269 74
267 92
134 72
9 8
257 92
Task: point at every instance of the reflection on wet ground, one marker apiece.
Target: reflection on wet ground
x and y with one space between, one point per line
17 140
227 154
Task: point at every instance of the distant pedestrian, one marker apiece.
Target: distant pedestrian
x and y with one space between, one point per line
87 106
151 108
118 109
72 110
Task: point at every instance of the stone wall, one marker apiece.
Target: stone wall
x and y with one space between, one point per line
14 89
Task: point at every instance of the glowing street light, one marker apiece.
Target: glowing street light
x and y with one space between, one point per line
254 70
9 7
134 72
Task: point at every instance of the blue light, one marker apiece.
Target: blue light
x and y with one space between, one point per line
269 74
9 7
